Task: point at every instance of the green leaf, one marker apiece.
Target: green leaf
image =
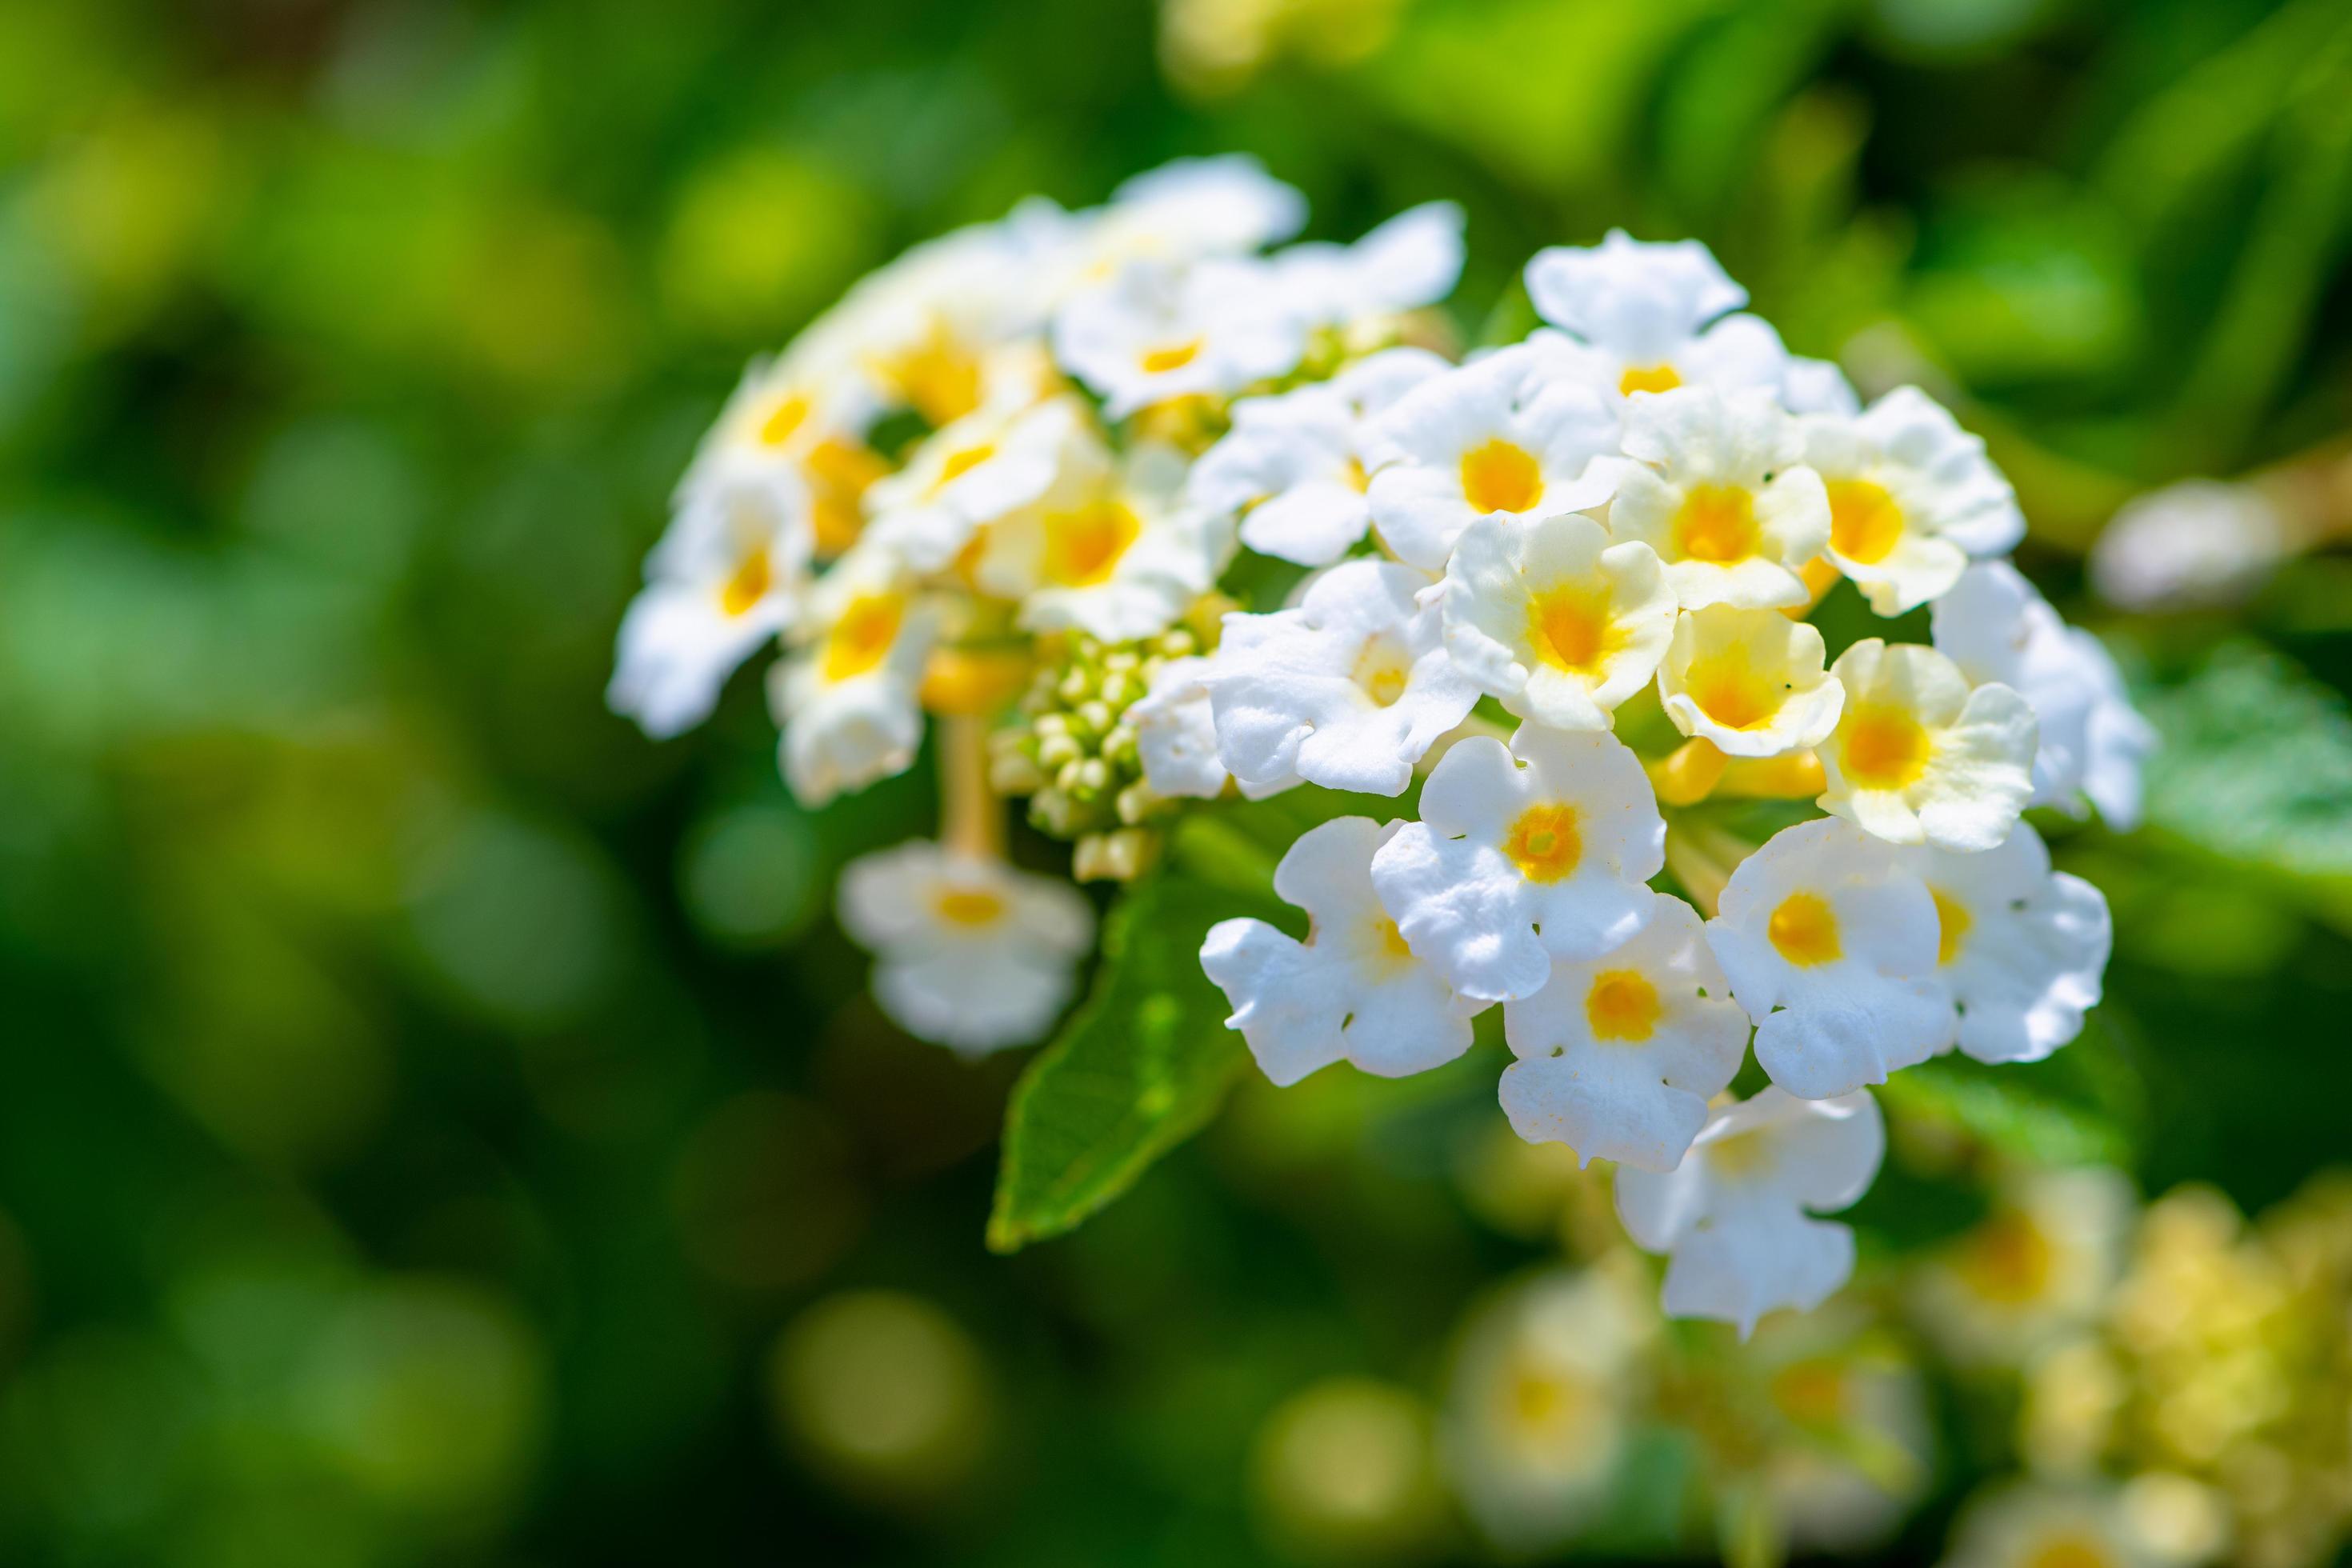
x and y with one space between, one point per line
2062 1111
1143 1065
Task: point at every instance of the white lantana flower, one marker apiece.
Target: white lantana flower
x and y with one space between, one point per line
1411 260
727 577
1733 1216
1176 733
1155 333
1347 691
1860 1438
848 699
1912 496
798 422
995 461
1652 316
1292 465
1830 946
1353 992
970 953
2037 1271
1818 386
1917 756
1618 1055
1717 488
1192 208
1523 854
1554 620
2034 1524
2021 948
1118 562
1539 1402
1750 682
1997 627
938 329
1494 436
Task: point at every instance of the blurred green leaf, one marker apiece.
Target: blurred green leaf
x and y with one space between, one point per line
2058 1112
1143 1065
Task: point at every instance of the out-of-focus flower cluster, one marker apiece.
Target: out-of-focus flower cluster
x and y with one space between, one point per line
1005 478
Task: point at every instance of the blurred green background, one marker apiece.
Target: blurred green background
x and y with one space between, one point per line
439 1125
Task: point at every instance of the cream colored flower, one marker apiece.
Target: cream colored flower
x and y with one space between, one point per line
993 462
848 699
1918 757
1118 561
2029 1525
2033 1273
1751 682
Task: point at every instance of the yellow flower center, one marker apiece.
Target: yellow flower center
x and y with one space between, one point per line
1883 748
1622 1005
1570 630
1385 944
1716 523
1175 356
1355 477
747 585
1952 922
1648 378
1083 546
1728 690
1550 1404
1741 1154
1865 522
968 907
938 377
2070 1551
2007 1259
861 638
1812 1393
1383 668
1500 476
1544 844
959 464
1804 930
788 414
838 473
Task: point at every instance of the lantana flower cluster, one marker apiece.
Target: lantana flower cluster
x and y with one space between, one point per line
1565 588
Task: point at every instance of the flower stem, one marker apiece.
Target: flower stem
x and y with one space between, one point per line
972 817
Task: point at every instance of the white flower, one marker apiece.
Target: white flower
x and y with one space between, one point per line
1734 1215
1523 854
970 953
725 579
2032 1524
1292 465
1155 331
935 329
1830 946
847 699
1192 207
1718 491
1996 628
1539 1402
1554 619
1495 435
1818 386
1619 1054
798 422
1118 562
1347 691
1858 1444
1176 733
2038 1270
1917 756
1413 259
2200 543
1912 496
1353 992
1750 682
995 461
1654 317
2019 947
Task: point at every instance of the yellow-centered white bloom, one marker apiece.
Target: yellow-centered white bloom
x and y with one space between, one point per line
1997 627
1716 489
1523 854
2031 1524
1553 618
727 577
1117 561
2034 1272
1155 331
1411 260
993 462
1192 207
1736 1215
969 953
1176 733
1751 682
1539 1402
1919 756
1912 496
1653 317
1618 1055
846 700
1496 436
797 421
1292 467
1353 992
1347 690
1830 943
1855 1442
2021 948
